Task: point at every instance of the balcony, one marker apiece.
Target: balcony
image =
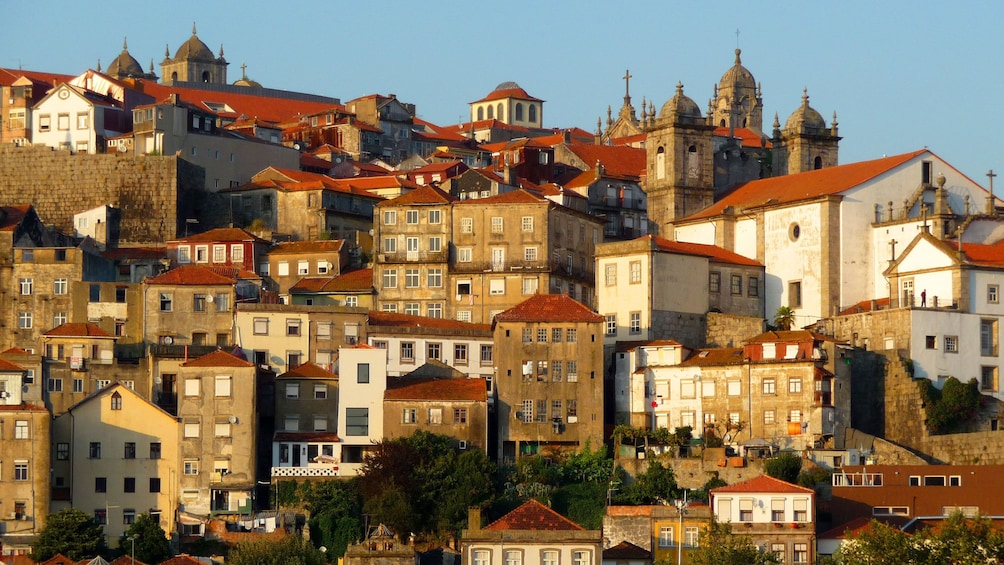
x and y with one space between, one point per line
414 257
501 267
182 351
313 471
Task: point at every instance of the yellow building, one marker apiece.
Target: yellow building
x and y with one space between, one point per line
118 453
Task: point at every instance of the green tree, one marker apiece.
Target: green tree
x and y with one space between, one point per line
70 532
718 546
291 550
151 543
785 466
950 408
959 540
335 514
784 318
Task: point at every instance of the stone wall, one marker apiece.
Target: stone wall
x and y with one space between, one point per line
154 193
729 330
688 329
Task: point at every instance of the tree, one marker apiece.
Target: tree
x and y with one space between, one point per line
784 318
335 514
785 466
950 408
719 545
70 532
151 543
291 550
959 540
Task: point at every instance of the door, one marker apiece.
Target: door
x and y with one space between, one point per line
498 258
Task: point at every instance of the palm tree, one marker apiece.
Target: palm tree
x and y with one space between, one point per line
784 318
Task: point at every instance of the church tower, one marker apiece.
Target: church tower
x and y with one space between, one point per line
194 62
738 100
805 143
679 162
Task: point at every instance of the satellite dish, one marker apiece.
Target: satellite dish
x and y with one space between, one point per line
233 419
209 298
168 340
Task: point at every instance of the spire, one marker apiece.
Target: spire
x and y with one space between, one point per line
805 96
167 51
221 50
597 137
125 44
193 28
151 65
99 65
610 119
833 125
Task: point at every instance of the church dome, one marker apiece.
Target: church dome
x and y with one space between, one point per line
245 81
680 106
737 76
125 65
805 119
194 48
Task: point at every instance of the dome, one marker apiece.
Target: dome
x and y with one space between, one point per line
680 105
125 65
508 85
805 118
737 76
194 48
245 81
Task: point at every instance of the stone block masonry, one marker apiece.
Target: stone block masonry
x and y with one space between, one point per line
154 193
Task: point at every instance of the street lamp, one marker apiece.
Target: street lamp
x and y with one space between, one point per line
681 508
132 539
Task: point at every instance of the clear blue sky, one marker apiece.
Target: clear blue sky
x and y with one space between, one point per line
901 75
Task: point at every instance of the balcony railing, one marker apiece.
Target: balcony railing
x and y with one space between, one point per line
161 350
414 257
500 267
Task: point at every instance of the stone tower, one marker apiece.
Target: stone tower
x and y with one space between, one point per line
679 162
126 66
738 101
194 62
805 143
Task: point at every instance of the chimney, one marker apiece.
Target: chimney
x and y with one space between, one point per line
473 518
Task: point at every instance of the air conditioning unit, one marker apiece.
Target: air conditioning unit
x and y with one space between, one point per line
463 444
573 419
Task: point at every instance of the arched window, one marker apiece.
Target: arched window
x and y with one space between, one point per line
116 401
691 149
174 76
817 163
491 113
205 76
660 163
500 112
721 124
481 113
533 114
519 112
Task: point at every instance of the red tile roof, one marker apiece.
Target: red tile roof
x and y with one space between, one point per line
626 550
712 252
183 559
439 167
411 388
308 371
763 483
218 358
222 234
866 306
549 308
6 365
23 407
191 275
502 93
775 336
9 76
359 280
135 253
803 186
984 255
532 515
428 194
15 351
11 216
746 137
619 161
315 246
72 329
712 357
393 319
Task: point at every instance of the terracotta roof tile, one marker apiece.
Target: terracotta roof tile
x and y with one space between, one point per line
6 365
183 559
421 195
23 407
746 137
712 357
11 216
866 306
411 388
218 358
136 253
549 308
712 252
802 186
359 280
222 234
775 336
308 371
984 255
626 550
15 351
618 160
313 246
502 93
393 319
73 329
191 275
533 515
763 483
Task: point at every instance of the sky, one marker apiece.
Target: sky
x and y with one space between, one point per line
900 75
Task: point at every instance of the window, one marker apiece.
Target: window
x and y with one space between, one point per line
435 244
795 294
94 450
466 225
303 267
666 536
635 322
390 278
951 344
435 416
513 557
16 120
56 385
801 507
486 354
753 286
129 484
526 223
363 373
357 421
542 335
496 224
191 430
794 386
411 216
777 510
496 287
63 121
463 254
219 254
192 387
610 274
411 308
221 429
62 451
691 536
201 253
734 388
320 423
222 386
769 386
714 281
688 388
572 370
549 557
737 285
26 285
993 293
580 558
460 353
768 417
800 553
44 122
166 302
611 324
635 272
408 416
407 352
21 429
199 303
59 286
778 550
129 451
746 510
411 278
100 484
988 378
292 326
390 217
530 254
483 557
155 450
24 320
795 416
154 486
988 338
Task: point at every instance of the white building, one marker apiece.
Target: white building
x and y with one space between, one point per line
362 372
73 118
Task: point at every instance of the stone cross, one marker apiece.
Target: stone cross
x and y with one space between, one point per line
893 243
627 83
